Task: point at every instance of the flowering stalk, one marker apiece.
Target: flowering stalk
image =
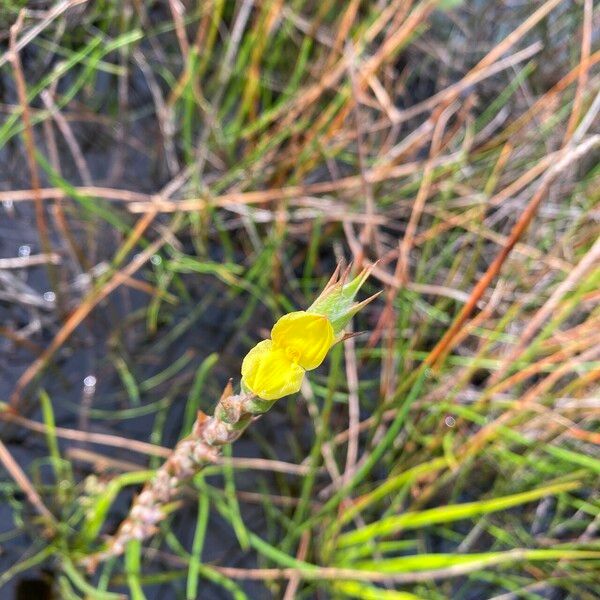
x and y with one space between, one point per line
273 369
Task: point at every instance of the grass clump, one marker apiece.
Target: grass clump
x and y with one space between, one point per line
179 176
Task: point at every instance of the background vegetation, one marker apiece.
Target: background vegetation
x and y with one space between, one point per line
177 174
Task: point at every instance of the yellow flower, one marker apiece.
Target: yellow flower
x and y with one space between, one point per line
305 337
275 368
268 372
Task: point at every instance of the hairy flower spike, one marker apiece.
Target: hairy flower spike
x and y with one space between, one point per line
272 369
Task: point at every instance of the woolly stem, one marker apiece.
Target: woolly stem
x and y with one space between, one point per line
232 415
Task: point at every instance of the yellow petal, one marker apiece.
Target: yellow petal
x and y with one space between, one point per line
269 373
305 337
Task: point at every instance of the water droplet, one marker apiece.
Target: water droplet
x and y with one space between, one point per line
24 250
156 259
49 296
89 381
450 421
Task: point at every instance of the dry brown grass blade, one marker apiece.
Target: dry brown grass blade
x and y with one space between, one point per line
349 574
139 202
477 321
294 582
60 194
118 441
178 13
69 137
23 262
40 217
101 463
441 121
584 67
343 30
11 465
369 231
103 439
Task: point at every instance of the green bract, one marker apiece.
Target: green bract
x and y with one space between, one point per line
336 301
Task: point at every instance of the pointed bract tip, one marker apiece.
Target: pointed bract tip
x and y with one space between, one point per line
345 274
334 276
228 390
368 300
